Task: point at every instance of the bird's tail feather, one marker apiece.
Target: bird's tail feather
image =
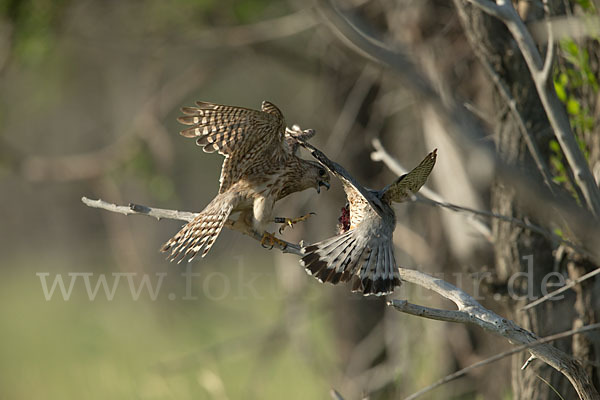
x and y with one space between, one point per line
370 267
201 232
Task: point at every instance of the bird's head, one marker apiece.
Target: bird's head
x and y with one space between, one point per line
317 175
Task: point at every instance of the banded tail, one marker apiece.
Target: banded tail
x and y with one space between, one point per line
370 267
201 232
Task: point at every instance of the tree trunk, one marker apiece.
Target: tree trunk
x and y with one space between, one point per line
517 250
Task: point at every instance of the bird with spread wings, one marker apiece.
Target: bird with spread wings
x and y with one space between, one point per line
362 253
260 168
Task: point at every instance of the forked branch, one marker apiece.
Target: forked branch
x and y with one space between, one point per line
555 111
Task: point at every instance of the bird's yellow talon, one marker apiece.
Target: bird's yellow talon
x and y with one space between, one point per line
270 240
291 222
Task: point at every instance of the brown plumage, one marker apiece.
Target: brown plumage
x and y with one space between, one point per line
260 168
362 253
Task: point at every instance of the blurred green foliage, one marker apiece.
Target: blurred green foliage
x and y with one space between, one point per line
574 81
587 5
571 79
163 349
35 26
250 10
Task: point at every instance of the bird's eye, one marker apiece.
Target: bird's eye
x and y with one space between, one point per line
321 172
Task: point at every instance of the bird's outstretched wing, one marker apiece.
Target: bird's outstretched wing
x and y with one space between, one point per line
410 183
358 196
228 129
244 136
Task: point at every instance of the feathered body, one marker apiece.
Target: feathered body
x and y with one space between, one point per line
260 168
363 252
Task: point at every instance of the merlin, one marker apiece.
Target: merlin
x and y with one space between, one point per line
362 252
260 168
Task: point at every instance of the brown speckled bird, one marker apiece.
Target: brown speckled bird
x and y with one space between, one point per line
363 252
260 168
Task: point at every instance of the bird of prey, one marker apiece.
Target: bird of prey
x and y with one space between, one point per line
362 253
260 168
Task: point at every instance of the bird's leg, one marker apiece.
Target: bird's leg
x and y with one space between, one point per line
269 240
291 221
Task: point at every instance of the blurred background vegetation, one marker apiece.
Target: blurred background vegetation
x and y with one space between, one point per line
89 94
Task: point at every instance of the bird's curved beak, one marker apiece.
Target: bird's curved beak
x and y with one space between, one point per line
321 183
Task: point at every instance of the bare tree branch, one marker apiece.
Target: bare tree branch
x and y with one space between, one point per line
502 355
162 213
469 310
568 286
489 7
350 109
158 213
565 27
262 31
547 68
335 395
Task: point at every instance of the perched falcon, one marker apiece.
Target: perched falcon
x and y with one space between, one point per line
363 252
260 168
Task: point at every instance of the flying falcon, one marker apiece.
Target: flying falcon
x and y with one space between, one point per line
260 168
362 253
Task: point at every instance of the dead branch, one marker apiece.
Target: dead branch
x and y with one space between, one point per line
350 110
499 356
162 213
469 310
556 292
259 32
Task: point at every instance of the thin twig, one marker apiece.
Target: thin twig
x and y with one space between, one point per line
381 154
515 221
432 198
500 356
562 289
335 395
350 110
160 213
550 48
490 8
566 27
262 31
